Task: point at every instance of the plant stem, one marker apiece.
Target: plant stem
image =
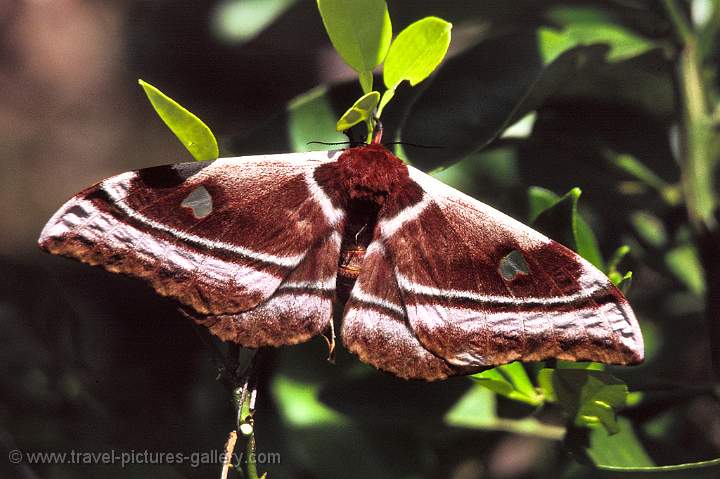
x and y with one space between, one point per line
699 141
698 138
697 126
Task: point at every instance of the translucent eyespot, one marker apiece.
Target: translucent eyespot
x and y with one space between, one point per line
513 265
200 201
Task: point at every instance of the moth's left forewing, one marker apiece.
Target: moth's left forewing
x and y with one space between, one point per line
250 245
483 289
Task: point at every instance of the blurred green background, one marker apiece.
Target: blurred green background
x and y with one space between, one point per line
91 361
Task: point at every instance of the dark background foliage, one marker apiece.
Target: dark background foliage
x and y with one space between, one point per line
93 362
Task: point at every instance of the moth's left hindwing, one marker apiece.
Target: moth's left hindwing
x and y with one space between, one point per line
249 243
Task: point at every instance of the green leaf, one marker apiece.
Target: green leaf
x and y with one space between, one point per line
584 27
617 257
416 52
540 199
561 222
684 262
590 398
299 405
240 21
190 130
630 165
602 449
478 92
477 410
511 381
544 380
309 116
621 280
582 365
360 31
361 110
649 228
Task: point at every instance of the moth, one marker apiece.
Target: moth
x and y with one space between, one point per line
429 282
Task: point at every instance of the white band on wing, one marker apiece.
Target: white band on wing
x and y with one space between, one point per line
333 215
367 298
391 225
321 285
421 289
107 187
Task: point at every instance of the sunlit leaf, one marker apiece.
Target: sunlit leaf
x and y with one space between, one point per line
414 54
360 31
477 410
299 404
598 447
190 130
544 379
590 398
417 51
583 365
242 20
510 381
618 278
361 110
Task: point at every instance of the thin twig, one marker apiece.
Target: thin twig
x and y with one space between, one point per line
229 454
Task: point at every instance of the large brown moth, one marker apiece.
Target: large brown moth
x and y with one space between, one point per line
433 282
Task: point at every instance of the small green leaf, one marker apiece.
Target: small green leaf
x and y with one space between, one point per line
544 380
414 54
310 115
476 409
190 130
240 21
366 81
617 257
361 110
360 31
540 199
584 27
511 381
633 167
619 279
684 262
417 51
561 222
583 365
299 405
622 281
589 397
609 450
649 228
